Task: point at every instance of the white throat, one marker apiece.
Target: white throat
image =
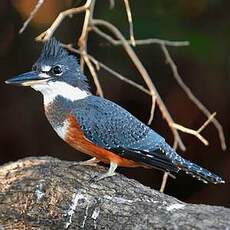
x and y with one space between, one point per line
50 90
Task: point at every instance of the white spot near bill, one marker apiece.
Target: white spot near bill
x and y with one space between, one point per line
45 68
43 75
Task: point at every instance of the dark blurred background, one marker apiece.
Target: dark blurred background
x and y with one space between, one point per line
204 66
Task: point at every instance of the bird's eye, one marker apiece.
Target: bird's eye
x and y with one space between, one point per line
57 70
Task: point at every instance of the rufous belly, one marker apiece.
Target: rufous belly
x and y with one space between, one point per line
75 137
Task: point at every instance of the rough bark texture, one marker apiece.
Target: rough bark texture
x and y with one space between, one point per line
46 193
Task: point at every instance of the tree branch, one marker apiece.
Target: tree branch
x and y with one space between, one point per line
130 20
33 12
99 65
94 75
46 193
46 35
147 41
192 97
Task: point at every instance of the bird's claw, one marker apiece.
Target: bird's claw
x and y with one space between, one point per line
101 177
91 162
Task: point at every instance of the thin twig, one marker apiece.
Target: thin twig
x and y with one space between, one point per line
83 39
130 20
158 41
191 131
94 75
133 57
206 122
119 76
164 181
142 41
192 97
111 4
46 35
82 43
33 12
154 93
196 133
109 70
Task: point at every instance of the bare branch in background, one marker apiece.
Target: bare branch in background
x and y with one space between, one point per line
46 35
130 20
196 133
150 41
33 12
134 58
111 4
164 181
109 70
94 75
206 122
192 97
97 26
83 39
147 41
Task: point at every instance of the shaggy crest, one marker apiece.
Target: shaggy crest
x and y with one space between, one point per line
53 48
53 53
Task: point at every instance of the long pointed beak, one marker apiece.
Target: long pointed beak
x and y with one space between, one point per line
27 79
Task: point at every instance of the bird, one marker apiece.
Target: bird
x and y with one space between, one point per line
97 126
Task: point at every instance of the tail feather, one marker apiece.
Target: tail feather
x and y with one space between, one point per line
200 173
189 167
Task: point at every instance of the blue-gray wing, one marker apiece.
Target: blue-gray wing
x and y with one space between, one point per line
110 126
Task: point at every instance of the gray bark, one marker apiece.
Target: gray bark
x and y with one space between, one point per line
47 193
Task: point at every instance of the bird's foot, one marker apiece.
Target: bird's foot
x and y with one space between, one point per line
100 177
109 173
91 162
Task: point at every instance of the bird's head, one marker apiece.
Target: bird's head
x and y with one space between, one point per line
56 72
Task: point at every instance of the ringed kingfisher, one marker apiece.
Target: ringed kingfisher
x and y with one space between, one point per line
97 126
